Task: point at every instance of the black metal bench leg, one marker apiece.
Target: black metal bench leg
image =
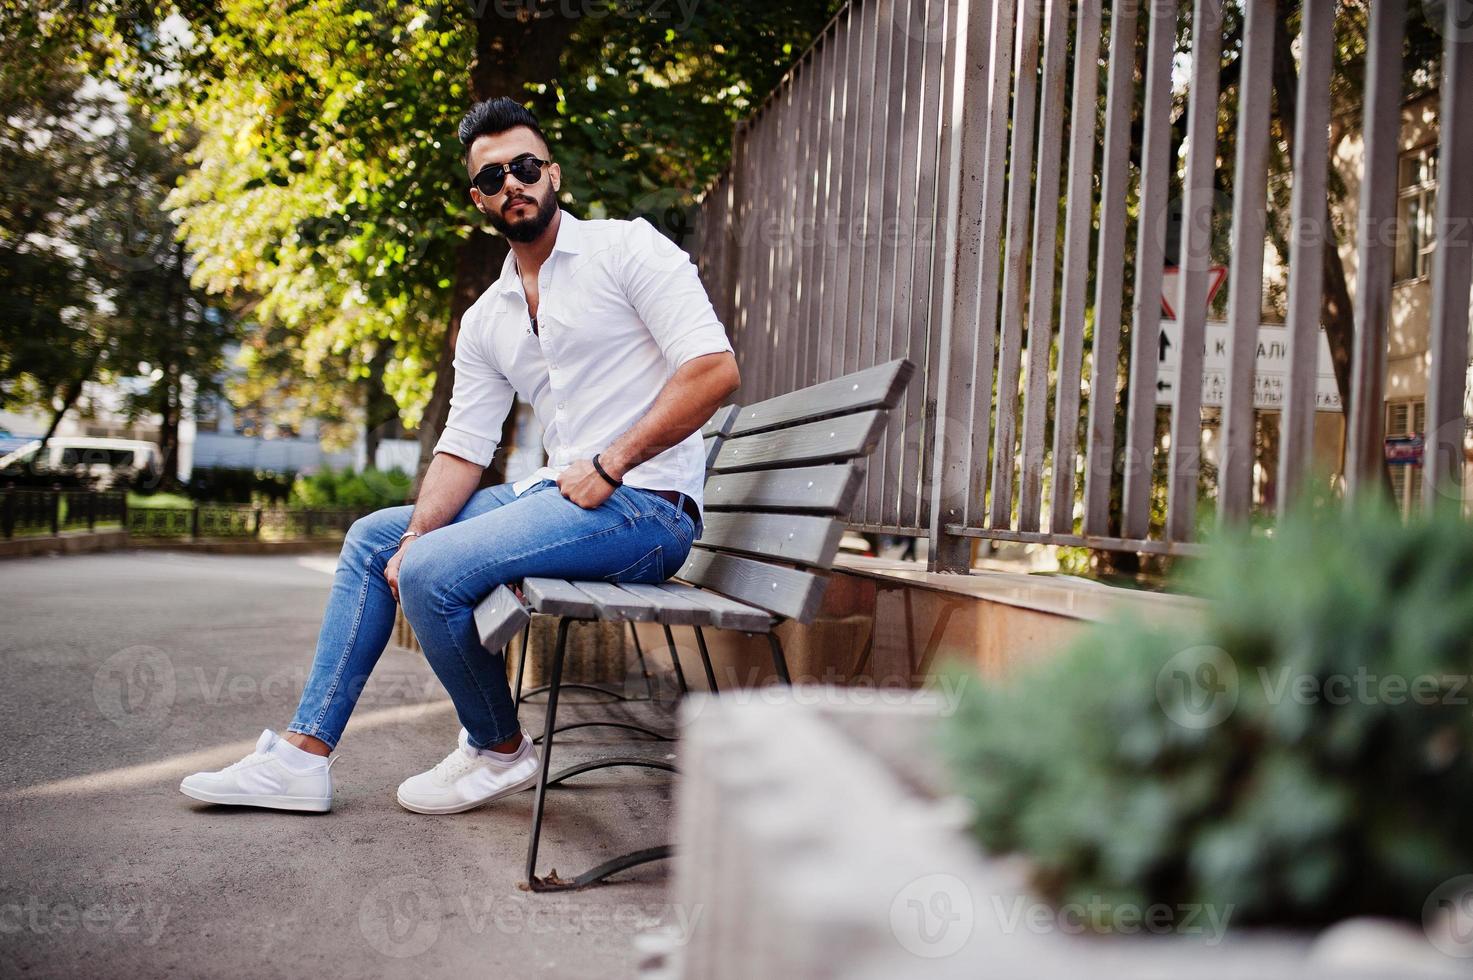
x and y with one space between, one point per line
516 691
547 733
675 660
649 688
779 662
706 661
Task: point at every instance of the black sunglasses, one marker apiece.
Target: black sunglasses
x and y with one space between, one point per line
492 177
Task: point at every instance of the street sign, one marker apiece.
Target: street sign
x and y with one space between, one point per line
1171 287
1270 370
1404 450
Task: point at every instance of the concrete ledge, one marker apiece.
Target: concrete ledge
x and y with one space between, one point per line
887 623
66 543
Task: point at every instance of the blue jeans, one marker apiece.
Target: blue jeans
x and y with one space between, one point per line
497 538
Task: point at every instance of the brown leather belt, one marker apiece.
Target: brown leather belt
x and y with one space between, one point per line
681 501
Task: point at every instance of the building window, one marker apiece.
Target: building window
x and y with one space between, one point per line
207 415
1416 212
1407 418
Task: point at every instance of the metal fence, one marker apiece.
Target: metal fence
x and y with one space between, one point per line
25 512
996 189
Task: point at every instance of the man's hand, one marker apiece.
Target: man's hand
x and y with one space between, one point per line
391 570
581 483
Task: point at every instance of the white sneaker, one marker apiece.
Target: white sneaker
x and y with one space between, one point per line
467 778
275 775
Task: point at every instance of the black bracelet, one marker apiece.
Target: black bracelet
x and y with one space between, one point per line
615 483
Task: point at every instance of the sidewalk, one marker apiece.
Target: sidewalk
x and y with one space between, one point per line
124 671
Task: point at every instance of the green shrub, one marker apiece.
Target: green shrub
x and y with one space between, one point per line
238 485
1303 753
346 490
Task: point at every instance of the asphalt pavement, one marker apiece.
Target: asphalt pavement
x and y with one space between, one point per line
120 673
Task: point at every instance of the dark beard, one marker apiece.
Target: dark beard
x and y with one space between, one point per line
527 229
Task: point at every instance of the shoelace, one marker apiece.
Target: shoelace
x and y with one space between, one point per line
250 760
455 764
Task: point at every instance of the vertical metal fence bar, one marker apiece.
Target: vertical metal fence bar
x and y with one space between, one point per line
869 157
1452 267
960 254
1156 167
897 186
1195 256
1099 464
1245 277
779 216
1045 252
926 266
851 258
1375 247
846 210
835 271
1308 214
811 223
740 260
1015 258
993 177
878 268
761 226
800 178
1077 227
803 218
785 282
914 156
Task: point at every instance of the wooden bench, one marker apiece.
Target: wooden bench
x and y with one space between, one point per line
783 476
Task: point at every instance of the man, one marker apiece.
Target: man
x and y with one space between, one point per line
604 327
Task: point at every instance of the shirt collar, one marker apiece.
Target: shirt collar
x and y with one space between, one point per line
570 233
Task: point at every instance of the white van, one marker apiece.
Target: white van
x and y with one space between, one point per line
103 463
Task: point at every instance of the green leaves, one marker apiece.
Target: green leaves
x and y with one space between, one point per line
1322 766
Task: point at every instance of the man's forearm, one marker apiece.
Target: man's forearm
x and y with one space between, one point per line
448 484
684 404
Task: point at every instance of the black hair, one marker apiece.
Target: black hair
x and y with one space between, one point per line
496 116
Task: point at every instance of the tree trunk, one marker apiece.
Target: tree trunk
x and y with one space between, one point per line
511 53
1336 314
378 408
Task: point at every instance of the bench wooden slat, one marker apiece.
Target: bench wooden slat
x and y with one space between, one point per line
671 608
616 605
785 591
821 489
720 421
499 617
801 539
729 614
558 597
825 441
876 387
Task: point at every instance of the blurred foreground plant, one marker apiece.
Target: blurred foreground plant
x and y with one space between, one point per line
1301 753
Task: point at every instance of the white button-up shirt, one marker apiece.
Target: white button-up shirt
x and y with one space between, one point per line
620 308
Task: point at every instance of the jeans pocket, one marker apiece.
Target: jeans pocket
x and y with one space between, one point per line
649 569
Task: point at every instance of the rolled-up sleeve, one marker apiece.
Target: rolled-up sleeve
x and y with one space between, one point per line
666 290
479 402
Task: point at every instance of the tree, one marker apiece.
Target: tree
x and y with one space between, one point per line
327 187
94 285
